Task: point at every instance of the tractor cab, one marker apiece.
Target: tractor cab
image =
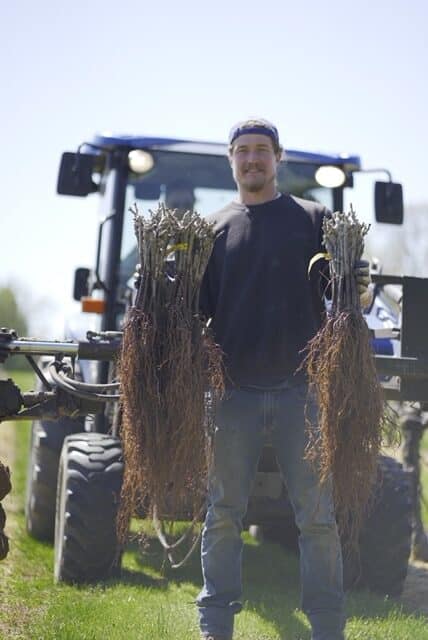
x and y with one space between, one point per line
129 171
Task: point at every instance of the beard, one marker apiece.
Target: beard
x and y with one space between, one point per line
253 183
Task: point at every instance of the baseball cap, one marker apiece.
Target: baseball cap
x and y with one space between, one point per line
254 125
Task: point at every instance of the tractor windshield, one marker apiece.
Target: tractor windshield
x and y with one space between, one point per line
201 182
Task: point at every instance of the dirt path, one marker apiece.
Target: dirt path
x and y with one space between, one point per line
10 504
8 629
7 453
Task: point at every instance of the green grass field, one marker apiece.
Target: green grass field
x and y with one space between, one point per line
151 604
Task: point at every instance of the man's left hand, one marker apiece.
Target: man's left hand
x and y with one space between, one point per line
362 276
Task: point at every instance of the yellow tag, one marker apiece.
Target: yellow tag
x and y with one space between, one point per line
315 258
182 246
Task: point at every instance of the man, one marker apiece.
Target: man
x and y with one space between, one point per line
263 310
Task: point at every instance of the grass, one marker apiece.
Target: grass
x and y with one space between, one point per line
151 604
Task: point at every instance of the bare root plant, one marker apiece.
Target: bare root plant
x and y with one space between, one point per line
168 363
341 370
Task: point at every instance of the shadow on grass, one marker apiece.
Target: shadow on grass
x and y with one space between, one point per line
270 577
362 603
271 585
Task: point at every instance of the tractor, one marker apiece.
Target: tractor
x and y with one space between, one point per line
75 464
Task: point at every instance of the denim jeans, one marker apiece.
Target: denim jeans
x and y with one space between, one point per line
244 420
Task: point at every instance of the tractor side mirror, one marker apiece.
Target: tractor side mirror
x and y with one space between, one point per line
75 174
389 202
81 283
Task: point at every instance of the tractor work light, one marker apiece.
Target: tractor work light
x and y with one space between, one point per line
140 161
330 176
93 305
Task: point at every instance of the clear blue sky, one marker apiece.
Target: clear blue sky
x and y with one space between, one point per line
334 76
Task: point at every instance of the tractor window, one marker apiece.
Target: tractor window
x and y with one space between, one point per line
298 178
180 180
321 195
204 200
201 182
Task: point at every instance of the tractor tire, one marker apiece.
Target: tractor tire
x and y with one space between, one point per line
384 548
385 540
47 437
89 484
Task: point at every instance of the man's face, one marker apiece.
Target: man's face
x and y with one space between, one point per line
254 162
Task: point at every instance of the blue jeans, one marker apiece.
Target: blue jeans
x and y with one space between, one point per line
244 419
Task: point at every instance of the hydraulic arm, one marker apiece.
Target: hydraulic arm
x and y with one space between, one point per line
62 394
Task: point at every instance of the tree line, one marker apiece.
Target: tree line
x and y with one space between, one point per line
12 316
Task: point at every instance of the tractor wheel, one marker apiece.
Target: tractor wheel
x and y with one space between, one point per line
47 437
89 484
385 540
384 549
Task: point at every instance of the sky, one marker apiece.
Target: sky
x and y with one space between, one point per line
333 76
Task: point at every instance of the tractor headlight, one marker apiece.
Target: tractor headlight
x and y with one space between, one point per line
140 161
330 176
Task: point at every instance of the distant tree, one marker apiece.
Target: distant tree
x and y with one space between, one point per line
402 249
416 240
12 317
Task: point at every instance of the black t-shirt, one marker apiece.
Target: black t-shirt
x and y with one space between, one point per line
263 305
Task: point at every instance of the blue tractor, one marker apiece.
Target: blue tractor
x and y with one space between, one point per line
75 464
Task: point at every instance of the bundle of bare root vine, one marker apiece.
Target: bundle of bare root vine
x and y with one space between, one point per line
168 363
342 372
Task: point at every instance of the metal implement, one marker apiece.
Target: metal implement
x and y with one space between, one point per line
85 350
412 365
67 396
70 397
